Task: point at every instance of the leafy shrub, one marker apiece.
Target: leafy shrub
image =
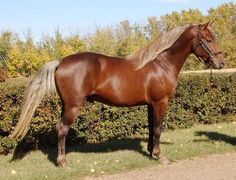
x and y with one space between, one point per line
196 100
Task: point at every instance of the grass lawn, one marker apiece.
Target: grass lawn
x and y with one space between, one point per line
120 155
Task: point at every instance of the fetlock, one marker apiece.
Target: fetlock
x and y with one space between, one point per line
61 161
156 153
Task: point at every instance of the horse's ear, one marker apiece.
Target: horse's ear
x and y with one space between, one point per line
206 25
211 22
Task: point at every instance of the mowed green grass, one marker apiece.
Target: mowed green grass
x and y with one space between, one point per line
120 155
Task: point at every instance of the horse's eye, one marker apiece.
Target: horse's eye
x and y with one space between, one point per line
208 40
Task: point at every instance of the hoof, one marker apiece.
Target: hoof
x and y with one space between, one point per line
162 159
155 153
155 156
62 163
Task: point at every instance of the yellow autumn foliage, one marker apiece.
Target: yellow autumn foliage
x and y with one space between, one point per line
24 58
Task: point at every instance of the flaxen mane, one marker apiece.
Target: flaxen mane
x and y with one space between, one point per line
160 44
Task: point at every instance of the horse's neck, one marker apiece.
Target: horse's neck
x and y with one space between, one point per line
178 53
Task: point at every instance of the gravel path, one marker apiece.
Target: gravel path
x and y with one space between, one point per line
213 167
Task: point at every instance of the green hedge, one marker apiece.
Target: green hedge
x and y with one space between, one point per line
196 101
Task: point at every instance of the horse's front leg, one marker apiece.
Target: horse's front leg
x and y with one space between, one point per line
150 128
158 113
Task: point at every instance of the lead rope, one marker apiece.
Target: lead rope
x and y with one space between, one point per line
211 77
212 82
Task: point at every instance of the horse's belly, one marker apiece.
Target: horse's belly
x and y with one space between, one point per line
127 99
120 90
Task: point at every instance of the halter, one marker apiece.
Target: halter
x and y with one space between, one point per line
210 53
201 43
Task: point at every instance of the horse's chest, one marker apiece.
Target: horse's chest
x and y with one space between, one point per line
161 89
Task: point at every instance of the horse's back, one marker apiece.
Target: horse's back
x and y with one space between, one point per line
110 78
95 64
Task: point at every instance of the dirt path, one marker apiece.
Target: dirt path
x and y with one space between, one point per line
213 167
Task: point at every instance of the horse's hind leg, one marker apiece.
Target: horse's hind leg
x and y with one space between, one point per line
68 116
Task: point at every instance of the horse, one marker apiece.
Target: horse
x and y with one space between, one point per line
146 77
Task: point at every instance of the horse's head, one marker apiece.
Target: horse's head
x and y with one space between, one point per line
205 47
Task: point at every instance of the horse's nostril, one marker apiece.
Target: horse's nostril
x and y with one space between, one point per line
222 64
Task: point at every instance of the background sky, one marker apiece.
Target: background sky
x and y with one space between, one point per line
70 16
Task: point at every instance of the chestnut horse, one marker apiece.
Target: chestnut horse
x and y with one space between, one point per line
142 78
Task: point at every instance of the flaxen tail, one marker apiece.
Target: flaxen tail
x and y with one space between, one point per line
41 85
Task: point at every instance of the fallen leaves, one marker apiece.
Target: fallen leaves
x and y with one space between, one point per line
13 171
92 170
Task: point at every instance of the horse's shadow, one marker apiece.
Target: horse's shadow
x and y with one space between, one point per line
112 145
215 136
109 146
133 144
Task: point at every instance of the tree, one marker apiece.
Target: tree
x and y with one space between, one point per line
138 38
152 28
102 41
174 19
60 48
76 43
123 36
14 62
24 58
7 38
129 37
224 27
